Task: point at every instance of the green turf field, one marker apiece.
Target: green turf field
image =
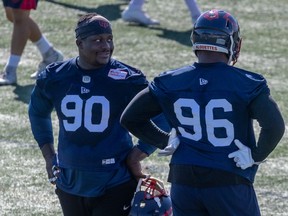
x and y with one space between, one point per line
24 189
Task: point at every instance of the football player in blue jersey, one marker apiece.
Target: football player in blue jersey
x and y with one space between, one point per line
96 166
211 105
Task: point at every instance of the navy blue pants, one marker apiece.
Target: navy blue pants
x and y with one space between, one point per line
231 200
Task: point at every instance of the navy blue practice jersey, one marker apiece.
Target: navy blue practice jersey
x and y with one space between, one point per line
208 104
88 105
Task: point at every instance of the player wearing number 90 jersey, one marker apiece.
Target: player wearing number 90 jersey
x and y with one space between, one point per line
92 145
88 105
97 164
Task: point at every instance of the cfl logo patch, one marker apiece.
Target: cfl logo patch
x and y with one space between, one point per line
108 161
86 79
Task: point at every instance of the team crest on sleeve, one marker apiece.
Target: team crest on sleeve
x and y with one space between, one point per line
42 75
254 78
117 74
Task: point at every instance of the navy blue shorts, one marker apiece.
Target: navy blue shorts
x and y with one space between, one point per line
214 201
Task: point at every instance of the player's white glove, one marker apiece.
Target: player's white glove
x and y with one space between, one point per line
242 157
173 144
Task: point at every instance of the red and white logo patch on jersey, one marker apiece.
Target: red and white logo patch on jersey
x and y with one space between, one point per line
117 74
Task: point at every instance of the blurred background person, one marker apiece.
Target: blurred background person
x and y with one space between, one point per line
24 28
135 13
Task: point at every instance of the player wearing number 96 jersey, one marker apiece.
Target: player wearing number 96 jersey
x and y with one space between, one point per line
97 161
211 104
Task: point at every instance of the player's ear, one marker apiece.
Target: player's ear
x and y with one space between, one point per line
79 43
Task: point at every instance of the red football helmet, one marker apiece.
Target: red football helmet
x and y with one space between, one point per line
151 199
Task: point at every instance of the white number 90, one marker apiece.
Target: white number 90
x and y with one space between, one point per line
76 113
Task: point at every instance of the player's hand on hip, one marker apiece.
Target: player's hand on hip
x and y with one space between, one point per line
242 157
173 144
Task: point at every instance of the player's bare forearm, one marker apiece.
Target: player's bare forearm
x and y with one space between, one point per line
133 162
48 153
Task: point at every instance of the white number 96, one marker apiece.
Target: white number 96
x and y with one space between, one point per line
210 121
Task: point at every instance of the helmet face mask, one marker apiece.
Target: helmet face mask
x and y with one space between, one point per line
151 198
217 31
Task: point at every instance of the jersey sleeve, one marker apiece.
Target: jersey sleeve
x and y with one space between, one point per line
39 110
265 110
248 85
137 119
161 122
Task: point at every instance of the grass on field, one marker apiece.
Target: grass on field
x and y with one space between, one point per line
24 189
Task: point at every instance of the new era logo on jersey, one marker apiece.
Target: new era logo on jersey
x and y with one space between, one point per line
203 81
84 90
117 74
